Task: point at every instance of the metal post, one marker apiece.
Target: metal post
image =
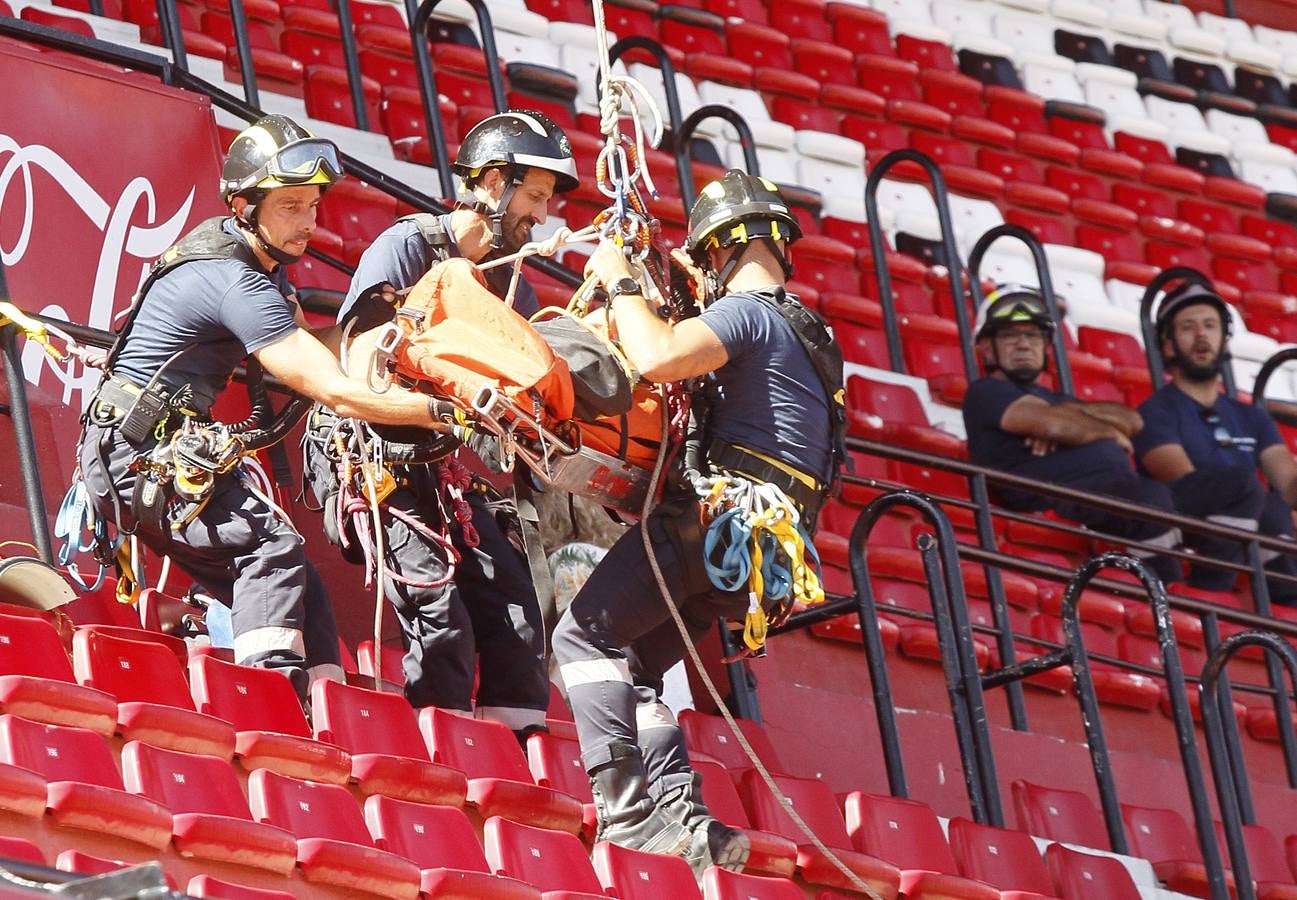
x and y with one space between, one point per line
999 604
1226 765
28 461
683 170
983 244
249 76
352 63
418 14
172 34
939 194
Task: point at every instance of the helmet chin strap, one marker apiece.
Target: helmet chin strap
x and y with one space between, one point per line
731 265
496 215
251 226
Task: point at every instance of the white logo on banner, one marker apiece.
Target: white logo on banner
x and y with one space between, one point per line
120 239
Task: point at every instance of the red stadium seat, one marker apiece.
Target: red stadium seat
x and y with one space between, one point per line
1080 876
907 833
1006 859
499 782
721 884
153 701
84 788
37 682
210 817
1266 863
814 801
333 846
858 29
207 886
632 875
328 97
70 24
904 418
380 732
1059 815
271 729
769 854
551 860
555 762
441 842
1164 838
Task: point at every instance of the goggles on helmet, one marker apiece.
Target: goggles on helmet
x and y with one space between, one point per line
302 162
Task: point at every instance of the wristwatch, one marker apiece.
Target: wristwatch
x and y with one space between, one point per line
625 285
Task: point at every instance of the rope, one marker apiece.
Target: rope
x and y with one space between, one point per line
769 780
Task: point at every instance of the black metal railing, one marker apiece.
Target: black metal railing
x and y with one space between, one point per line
878 250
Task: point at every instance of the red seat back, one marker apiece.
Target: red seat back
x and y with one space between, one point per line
432 837
477 747
906 833
183 782
251 699
364 721
31 646
632 875
1080 876
551 860
1004 859
813 801
133 671
308 809
1059 814
58 752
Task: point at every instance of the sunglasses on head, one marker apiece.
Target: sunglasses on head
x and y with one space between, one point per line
1220 434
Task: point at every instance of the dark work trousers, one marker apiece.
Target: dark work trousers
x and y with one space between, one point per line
486 618
617 638
1133 488
242 554
1226 495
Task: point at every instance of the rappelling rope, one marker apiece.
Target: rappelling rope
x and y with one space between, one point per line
629 219
769 780
755 539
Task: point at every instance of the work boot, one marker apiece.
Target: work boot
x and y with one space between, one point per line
712 842
627 816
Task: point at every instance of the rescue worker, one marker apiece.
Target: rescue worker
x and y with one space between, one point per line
1208 447
1017 425
219 295
772 419
512 164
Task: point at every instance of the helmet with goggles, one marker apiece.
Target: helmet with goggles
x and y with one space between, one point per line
276 152
1012 304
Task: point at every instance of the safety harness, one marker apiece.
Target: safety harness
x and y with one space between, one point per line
760 511
180 455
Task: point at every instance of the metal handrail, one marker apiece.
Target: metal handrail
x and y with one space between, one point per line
674 117
1227 765
1153 346
1075 656
886 298
946 589
351 62
172 34
247 74
1044 279
686 132
418 15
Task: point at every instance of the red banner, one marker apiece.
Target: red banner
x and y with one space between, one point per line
100 171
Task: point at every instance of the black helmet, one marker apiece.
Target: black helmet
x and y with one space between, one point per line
276 152
1010 304
520 138
736 208
1189 293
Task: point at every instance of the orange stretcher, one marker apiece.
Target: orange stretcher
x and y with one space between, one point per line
452 334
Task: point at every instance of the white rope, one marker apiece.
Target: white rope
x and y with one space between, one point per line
769 780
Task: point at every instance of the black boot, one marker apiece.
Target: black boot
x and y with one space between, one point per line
712 843
627 816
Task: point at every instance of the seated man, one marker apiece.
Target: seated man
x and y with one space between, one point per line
1207 447
1017 426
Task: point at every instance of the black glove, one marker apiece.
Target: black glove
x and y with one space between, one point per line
373 308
